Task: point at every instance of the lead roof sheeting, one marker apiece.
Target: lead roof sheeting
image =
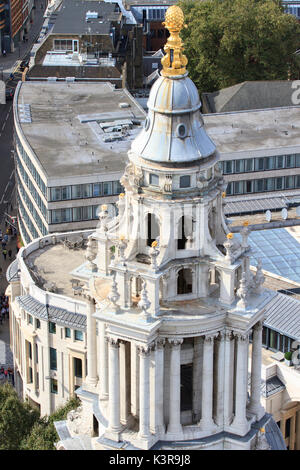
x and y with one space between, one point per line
254 205
55 314
283 315
271 386
12 273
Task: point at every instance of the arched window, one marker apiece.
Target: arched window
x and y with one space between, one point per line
152 228
185 281
184 231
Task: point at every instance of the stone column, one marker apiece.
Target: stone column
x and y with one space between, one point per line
91 342
206 422
103 361
144 353
134 372
124 381
228 377
255 406
197 376
240 423
157 388
114 390
219 418
174 426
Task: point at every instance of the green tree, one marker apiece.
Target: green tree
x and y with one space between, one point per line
43 435
230 41
16 418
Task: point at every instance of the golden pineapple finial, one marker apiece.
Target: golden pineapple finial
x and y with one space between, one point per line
174 61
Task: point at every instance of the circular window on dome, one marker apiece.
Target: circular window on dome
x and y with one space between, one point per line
181 131
147 124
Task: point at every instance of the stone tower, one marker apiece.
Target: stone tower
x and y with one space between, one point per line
172 302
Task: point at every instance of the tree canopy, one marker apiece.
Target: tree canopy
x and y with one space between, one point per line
230 41
21 427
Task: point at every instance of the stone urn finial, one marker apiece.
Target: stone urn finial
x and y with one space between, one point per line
144 303
243 292
114 295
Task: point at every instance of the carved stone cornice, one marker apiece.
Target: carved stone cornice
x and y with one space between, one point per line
241 337
144 350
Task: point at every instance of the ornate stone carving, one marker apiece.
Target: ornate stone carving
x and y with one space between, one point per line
74 421
122 245
132 178
175 342
261 441
90 254
228 245
243 292
144 349
144 303
258 279
113 342
114 296
245 231
103 218
154 252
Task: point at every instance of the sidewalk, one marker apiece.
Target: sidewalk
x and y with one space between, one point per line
9 62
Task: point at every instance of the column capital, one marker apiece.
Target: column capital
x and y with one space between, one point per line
209 338
228 335
144 349
175 342
258 326
159 343
113 342
241 337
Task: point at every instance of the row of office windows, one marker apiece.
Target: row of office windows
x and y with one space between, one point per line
30 166
78 334
32 209
24 231
23 215
31 188
75 214
260 164
77 363
263 184
276 341
81 191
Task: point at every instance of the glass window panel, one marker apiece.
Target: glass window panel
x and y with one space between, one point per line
229 189
97 189
86 190
279 183
238 187
289 182
78 335
56 216
76 214
249 186
259 185
259 164
270 163
107 188
54 388
53 359
239 166
55 194
154 179
66 193
297 159
76 191
67 333
297 181
290 161
52 327
280 161
87 213
77 367
269 184
185 181
66 215
228 167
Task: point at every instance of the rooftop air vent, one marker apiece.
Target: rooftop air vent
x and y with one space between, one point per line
90 15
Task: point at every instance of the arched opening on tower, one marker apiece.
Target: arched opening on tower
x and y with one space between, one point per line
153 229
184 232
185 281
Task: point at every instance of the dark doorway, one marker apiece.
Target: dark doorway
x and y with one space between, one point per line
186 387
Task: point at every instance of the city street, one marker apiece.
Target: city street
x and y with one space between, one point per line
8 65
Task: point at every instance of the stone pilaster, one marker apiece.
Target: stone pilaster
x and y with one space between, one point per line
91 378
174 427
219 418
255 406
114 425
157 395
206 422
144 429
240 424
197 377
103 361
228 377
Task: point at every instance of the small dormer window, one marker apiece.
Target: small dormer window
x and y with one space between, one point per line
154 179
185 181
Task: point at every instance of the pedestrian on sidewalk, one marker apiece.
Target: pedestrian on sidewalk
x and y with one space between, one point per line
4 252
3 243
4 52
9 253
